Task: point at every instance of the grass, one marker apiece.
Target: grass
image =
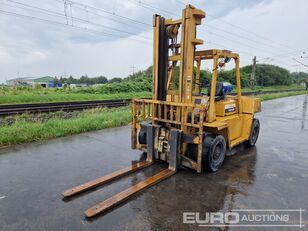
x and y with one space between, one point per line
29 95
28 128
273 88
265 97
23 131
44 96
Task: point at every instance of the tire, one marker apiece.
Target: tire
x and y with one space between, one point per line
215 152
142 136
254 133
211 143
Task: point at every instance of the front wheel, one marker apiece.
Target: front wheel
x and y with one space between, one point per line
215 152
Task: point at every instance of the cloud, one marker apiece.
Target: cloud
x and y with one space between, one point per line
37 48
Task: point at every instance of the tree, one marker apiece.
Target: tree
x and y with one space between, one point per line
114 80
299 77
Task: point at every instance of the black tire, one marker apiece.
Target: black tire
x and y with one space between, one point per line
211 143
215 152
142 136
254 133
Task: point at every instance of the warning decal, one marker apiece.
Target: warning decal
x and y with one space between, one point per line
230 108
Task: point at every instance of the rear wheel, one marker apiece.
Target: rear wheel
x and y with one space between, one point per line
254 133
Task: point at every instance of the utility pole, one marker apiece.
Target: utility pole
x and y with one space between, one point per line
253 73
133 67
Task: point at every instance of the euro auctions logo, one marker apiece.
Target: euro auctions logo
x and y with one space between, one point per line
247 217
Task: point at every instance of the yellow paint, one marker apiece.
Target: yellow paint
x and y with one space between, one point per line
184 107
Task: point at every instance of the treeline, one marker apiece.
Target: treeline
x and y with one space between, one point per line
266 75
138 82
299 77
147 74
82 79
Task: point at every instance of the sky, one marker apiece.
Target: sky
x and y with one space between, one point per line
114 38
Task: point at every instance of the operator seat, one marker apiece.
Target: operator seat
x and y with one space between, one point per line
220 94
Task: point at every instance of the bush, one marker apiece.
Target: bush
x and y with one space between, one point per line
266 75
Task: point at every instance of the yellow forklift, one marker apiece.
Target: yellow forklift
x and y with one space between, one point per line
182 124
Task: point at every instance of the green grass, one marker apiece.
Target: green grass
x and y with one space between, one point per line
273 88
265 97
30 95
24 128
54 96
23 131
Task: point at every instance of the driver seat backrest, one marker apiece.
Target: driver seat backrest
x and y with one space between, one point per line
220 95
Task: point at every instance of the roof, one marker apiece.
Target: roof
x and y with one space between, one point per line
33 79
44 79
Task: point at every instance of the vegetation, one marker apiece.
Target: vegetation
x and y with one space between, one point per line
266 75
146 74
82 79
30 95
28 128
23 130
299 77
139 85
265 97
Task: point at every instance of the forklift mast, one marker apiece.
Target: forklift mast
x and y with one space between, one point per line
165 46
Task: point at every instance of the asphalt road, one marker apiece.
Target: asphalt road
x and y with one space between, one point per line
272 175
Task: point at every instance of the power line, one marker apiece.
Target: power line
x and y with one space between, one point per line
240 36
138 26
48 21
107 12
85 8
77 19
148 6
282 55
63 24
253 33
244 29
239 43
300 62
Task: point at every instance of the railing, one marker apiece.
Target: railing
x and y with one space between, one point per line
179 115
168 112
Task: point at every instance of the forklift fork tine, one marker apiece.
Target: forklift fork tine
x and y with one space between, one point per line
105 179
127 193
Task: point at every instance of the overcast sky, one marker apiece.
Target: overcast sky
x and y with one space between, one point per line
40 38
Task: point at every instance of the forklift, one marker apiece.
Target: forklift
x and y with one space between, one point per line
183 124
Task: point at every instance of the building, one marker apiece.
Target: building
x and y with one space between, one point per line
45 82
75 85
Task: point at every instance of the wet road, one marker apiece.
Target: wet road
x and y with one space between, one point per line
272 175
